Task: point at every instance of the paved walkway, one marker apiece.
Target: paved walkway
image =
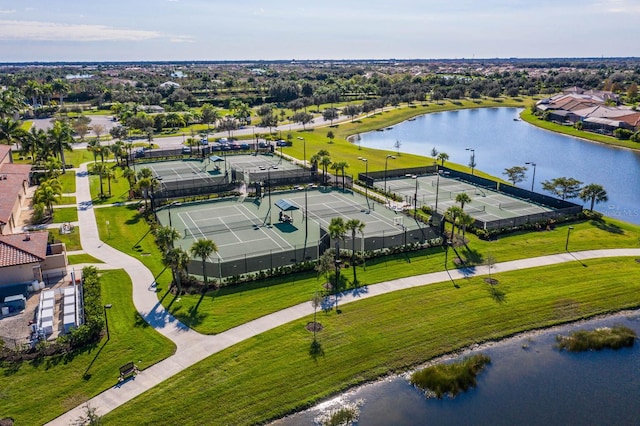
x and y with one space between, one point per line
193 347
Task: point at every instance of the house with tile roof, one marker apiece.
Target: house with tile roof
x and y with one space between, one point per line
14 183
29 257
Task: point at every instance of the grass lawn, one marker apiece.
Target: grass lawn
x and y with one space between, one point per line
68 182
527 116
71 241
76 259
119 187
228 307
274 373
65 214
129 233
67 199
77 157
343 150
57 384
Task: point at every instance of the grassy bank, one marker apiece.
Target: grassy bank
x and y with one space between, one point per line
272 374
601 338
37 391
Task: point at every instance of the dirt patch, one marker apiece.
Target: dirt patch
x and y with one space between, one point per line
314 326
491 281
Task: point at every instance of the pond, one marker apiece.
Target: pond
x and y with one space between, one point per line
500 140
529 381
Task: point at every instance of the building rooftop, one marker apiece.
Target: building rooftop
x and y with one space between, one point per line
20 249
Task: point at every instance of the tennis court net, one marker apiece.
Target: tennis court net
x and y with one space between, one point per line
512 206
344 209
199 231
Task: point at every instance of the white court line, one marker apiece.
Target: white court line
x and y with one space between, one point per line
263 231
196 225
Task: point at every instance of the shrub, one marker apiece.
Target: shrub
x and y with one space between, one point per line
583 340
450 378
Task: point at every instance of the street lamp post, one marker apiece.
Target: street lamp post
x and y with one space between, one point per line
566 245
415 200
435 163
472 160
366 183
533 179
386 160
106 320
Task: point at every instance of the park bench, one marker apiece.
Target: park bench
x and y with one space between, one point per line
128 370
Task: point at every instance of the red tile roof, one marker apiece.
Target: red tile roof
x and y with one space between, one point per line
20 249
10 187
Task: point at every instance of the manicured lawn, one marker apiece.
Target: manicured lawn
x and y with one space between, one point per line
77 157
76 259
119 187
527 116
71 241
67 199
68 182
129 233
273 374
54 385
65 214
228 307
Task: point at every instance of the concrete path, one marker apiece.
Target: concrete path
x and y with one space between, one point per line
193 347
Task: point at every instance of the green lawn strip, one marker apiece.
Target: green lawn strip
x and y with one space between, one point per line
57 384
71 241
68 182
119 187
527 116
273 374
65 214
225 308
77 157
343 150
67 199
76 259
128 232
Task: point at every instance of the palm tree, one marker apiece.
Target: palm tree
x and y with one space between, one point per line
325 160
94 147
465 220
166 236
110 174
10 102
100 169
203 248
442 157
48 194
594 192
60 137
336 233
146 185
177 259
11 131
452 214
130 175
60 87
354 225
463 198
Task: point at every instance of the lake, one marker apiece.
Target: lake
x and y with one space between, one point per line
528 382
501 142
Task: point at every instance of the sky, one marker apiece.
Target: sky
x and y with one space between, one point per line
184 30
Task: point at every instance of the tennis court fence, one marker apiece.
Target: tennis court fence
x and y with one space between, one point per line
529 219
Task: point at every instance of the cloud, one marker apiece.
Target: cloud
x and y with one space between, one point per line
618 6
49 31
182 39
7 11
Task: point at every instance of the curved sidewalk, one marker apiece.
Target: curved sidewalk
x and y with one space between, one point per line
209 345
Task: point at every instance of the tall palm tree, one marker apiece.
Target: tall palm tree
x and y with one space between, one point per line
463 198
325 161
166 236
337 232
177 259
354 225
93 146
452 214
60 87
38 145
101 170
594 192
110 174
146 185
130 175
10 102
60 136
203 248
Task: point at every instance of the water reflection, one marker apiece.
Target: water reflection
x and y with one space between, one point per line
528 382
500 142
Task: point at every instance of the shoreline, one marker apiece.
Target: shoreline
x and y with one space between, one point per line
342 398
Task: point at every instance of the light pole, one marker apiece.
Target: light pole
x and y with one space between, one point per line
472 160
366 183
533 179
175 203
435 163
304 151
415 200
386 160
106 320
566 245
